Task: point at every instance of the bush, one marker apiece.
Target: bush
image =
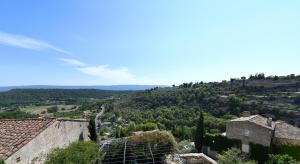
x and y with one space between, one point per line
17 114
233 156
52 109
291 150
76 153
2 161
219 142
157 137
186 146
281 159
161 142
259 152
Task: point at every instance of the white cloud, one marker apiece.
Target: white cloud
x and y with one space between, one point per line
110 75
73 62
113 75
27 43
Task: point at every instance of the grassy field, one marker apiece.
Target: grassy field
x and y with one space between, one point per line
43 108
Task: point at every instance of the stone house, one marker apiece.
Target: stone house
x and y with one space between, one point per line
22 141
260 130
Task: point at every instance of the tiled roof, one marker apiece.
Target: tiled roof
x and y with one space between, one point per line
284 130
14 134
257 119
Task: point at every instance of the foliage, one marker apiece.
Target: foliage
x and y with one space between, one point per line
17 114
76 153
199 133
2 161
186 146
281 159
259 152
132 127
103 131
52 109
181 121
157 137
220 143
72 114
184 132
26 97
92 130
233 156
291 150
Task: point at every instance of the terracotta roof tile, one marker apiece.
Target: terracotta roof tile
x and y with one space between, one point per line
14 134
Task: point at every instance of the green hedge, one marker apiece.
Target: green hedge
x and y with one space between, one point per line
220 143
291 150
259 152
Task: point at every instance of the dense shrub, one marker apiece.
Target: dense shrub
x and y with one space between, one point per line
73 114
2 161
281 159
157 137
259 152
132 127
16 115
233 156
52 109
76 153
291 150
219 142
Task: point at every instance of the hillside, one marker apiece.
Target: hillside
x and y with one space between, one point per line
24 97
177 108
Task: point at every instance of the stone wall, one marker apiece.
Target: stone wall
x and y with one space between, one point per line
60 134
248 132
190 158
285 141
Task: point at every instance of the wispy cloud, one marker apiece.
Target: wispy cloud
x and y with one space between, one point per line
27 43
111 75
73 62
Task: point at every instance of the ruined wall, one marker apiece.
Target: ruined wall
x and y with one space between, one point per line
60 134
248 132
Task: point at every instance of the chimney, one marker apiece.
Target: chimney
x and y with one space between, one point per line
246 114
269 121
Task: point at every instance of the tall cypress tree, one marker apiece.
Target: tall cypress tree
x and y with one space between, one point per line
199 133
92 130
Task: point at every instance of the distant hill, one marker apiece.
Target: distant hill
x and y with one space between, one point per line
98 87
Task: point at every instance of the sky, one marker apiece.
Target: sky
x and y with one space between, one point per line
97 42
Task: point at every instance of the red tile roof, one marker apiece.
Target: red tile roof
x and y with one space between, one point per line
14 134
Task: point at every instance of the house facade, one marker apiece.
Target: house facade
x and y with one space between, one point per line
22 141
260 130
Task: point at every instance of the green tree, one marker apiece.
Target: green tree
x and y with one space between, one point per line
1 161
77 153
244 81
92 130
199 133
281 159
234 156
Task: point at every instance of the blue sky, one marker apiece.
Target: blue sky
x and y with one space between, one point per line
96 42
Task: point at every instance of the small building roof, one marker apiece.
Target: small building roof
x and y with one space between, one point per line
256 119
14 134
284 130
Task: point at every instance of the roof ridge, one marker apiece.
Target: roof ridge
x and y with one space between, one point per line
23 119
